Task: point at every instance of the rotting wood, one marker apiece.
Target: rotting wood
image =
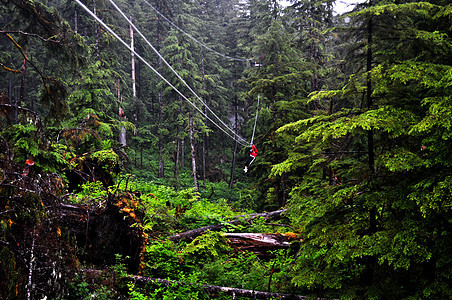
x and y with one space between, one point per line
261 239
141 280
91 226
191 234
259 243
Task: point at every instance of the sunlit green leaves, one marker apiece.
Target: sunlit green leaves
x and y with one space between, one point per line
433 197
400 159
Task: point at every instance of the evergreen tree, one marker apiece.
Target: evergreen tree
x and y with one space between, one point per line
376 227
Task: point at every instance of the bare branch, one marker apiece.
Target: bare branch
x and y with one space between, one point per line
50 40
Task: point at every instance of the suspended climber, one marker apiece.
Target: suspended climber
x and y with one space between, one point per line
252 156
253 150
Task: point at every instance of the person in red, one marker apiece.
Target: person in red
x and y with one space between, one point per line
252 156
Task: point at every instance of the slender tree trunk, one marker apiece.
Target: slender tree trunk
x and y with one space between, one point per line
177 151
204 155
30 266
10 89
182 142
22 82
21 97
234 155
134 89
176 158
193 153
96 29
182 153
138 78
370 135
141 157
204 139
122 118
283 189
75 20
161 173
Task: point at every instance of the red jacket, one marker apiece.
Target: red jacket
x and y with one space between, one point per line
253 151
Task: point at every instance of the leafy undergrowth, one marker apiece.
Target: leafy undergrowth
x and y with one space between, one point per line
159 211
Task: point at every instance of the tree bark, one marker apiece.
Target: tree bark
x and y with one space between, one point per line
182 153
176 159
75 20
259 243
370 135
193 153
122 118
204 140
161 172
96 29
134 89
234 155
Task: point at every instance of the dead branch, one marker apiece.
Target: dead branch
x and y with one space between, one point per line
260 240
31 34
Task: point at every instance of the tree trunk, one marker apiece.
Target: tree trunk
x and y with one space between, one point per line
182 153
141 157
75 20
259 240
122 118
134 89
370 135
204 137
176 158
96 29
10 89
177 153
182 141
204 159
193 153
161 172
234 155
283 189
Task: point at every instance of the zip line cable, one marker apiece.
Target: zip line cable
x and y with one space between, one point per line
154 70
171 68
195 40
255 120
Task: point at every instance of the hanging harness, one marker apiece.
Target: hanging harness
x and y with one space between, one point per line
253 150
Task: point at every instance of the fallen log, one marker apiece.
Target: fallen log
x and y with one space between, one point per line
141 280
260 239
191 234
259 243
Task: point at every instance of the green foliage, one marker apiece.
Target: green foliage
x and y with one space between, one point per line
81 289
108 159
207 209
89 191
433 197
162 260
206 247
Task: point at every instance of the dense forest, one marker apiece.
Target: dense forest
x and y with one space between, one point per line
125 126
